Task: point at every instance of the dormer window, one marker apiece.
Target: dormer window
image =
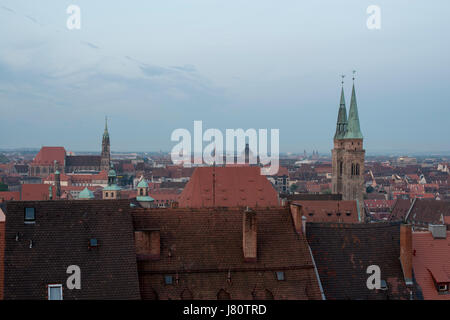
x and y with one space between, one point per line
93 243
442 287
55 292
383 285
30 216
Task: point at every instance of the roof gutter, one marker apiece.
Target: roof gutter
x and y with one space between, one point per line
317 274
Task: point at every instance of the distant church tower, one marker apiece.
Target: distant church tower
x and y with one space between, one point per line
348 154
106 155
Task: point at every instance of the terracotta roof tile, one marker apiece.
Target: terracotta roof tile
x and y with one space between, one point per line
231 187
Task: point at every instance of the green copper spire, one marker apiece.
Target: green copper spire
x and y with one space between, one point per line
341 124
353 129
106 133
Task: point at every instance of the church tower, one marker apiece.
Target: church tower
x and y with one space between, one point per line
106 155
348 155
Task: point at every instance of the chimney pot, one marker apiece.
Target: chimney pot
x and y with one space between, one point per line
438 231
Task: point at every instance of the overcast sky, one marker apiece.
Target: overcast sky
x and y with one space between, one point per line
155 66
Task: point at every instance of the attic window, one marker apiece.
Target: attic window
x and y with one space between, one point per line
280 275
383 285
30 215
55 292
338 214
329 214
311 214
348 213
442 287
93 243
168 279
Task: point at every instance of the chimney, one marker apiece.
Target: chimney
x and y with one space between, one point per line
148 244
406 252
438 231
249 236
297 217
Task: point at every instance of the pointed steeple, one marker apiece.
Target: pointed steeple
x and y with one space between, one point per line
353 128
106 133
341 124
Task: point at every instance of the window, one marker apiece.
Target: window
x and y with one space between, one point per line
93 243
30 215
443 288
168 279
280 275
55 292
106 194
383 285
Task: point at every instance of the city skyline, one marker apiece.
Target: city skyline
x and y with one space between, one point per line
281 74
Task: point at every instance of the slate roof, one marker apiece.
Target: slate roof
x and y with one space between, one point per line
83 161
205 247
231 187
400 209
343 251
431 258
429 211
60 238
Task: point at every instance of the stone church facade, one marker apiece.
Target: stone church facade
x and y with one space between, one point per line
50 159
348 155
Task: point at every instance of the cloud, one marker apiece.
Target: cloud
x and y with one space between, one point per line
89 44
8 9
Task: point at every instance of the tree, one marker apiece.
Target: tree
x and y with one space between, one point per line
293 188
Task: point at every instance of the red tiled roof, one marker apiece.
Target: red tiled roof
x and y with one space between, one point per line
47 155
36 192
329 211
62 177
232 187
378 203
431 259
9 195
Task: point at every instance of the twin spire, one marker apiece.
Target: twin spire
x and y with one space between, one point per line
348 128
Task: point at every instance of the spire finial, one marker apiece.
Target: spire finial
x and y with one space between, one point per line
106 122
342 76
354 72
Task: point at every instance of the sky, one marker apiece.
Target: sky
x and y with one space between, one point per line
156 66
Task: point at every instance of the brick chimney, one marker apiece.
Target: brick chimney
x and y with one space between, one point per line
249 236
296 217
148 244
406 252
